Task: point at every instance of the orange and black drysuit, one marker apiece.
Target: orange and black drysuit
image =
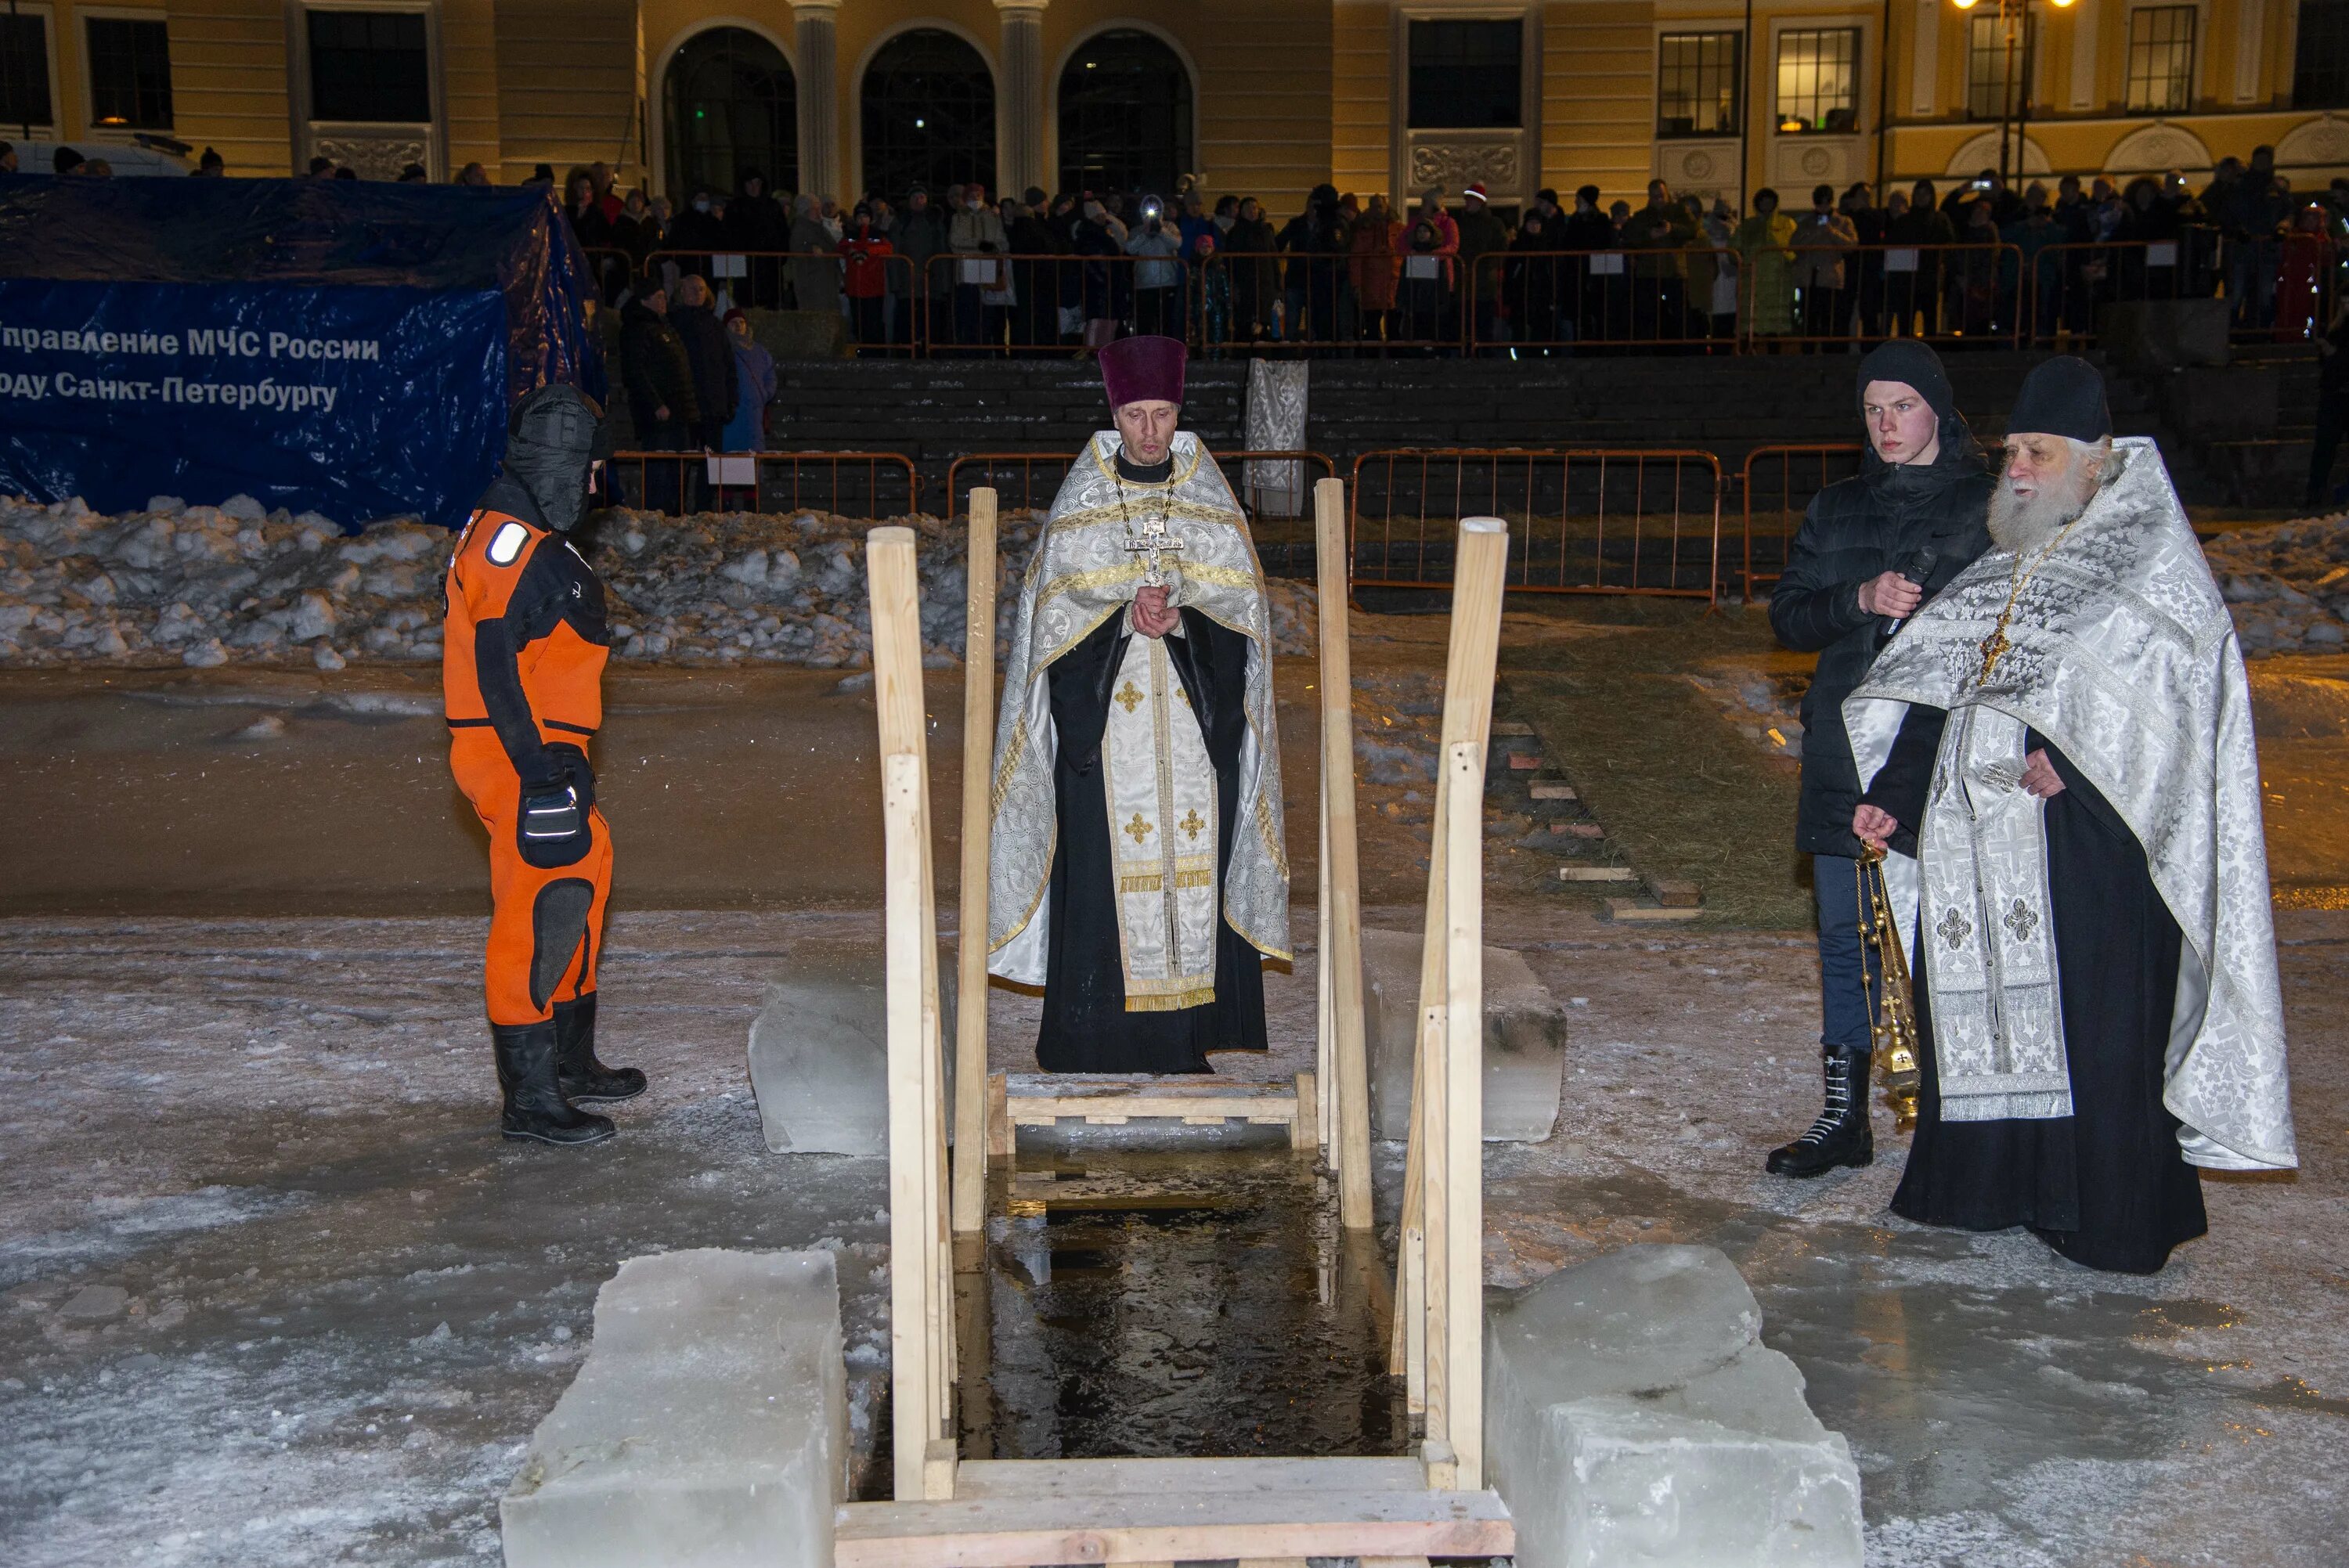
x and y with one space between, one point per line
522 669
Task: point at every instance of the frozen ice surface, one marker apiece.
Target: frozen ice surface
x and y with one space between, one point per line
1634 1419
707 1429
820 1050
1525 1040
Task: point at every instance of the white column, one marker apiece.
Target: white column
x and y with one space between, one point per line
1925 58
1020 98
2083 55
814 36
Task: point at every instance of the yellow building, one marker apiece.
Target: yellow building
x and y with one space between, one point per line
1264 98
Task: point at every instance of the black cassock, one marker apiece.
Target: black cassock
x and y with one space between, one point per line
1086 1027
2105 1186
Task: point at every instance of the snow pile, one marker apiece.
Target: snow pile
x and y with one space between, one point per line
203 586
2287 583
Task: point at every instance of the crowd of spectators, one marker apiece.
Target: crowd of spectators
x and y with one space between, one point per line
962 271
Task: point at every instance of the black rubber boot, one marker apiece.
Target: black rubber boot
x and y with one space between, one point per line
1841 1135
534 1104
581 1075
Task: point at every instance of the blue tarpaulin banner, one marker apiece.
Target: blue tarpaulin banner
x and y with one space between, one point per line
339 347
357 403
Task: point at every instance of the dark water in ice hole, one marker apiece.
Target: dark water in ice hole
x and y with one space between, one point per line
1169 1302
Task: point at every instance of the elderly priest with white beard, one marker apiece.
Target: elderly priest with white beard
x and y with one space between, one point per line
2062 740
1137 871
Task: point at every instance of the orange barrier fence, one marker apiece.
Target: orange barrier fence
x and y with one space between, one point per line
872 485
1778 483
1581 519
1030 480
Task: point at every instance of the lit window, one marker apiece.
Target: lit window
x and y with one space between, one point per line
130 74
1987 67
1819 79
1697 80
2161 59
25 71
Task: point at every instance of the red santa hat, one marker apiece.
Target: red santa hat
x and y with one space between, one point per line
1474 193
1143 370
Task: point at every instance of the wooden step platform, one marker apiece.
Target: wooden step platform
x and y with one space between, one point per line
1021 1514
1106 1100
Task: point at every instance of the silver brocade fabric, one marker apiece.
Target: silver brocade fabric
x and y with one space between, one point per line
1082 574
2124 655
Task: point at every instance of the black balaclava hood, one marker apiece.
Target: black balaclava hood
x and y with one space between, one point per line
552 440
1914 364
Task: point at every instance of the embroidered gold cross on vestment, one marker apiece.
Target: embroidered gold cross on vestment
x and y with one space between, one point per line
1139 829
1131 696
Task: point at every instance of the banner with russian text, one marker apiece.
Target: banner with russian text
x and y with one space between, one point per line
356 402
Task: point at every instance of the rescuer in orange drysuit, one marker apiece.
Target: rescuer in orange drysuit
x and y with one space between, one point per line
522 676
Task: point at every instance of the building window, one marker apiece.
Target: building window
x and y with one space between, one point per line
733 109
370 67
1819 79
1126 114
1697 82
24 72
130 74
1987 91
928 114
2319 76
1467 76
2161 59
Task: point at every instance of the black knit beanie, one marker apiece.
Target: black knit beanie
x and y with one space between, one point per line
1905 359
2063 396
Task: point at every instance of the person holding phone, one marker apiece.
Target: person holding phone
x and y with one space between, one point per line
1872 549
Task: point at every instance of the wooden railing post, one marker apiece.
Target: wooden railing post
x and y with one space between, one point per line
978 784
1347 1109
921 1275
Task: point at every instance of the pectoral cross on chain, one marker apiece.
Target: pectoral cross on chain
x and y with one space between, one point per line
1151 545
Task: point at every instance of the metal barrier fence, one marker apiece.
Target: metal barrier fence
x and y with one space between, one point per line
1014 478
874 294
1778 482
1582 520
1373 302
1036 304
873 485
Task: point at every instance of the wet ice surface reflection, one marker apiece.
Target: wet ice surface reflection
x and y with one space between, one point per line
1200 1300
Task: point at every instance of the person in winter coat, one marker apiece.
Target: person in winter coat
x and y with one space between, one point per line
867 252
1871 549
815 276
1912 283
1375 271
755 224
1482 235
1822 244
1248 254
1765 257
754 378
715 390
659 375
975 234
1531 289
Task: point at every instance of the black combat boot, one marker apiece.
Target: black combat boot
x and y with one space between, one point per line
582 1076
1841 1135
534 1104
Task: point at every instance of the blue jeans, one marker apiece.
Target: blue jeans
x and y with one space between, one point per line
1844 1015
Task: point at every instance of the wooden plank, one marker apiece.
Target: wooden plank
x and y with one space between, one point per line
971 1148
1018 1533
1302 1138
1106 1478
921 1324
1280 1107
999 1117
1632 910
1674 893
1597 874
1345 1087
1465 1120
1551 789
1511 727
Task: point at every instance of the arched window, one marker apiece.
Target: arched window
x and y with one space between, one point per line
929 115
733 106
1126 114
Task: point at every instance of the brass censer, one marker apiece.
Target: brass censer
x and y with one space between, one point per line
1892 1006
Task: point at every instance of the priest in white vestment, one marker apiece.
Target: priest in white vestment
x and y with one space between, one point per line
1137 871
2062 740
